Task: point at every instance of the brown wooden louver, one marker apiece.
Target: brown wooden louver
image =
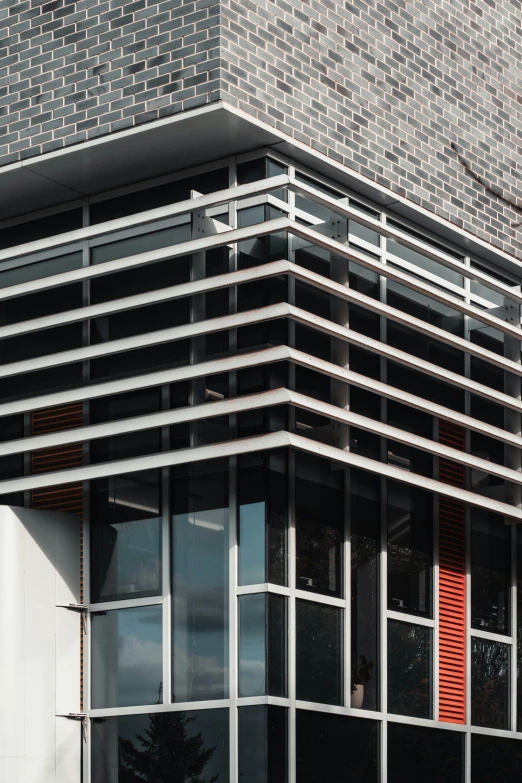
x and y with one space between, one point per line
62 498
452 585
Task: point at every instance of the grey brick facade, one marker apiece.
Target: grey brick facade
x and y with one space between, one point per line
385 88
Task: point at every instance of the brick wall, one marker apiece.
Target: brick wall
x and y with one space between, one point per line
70 71
384 87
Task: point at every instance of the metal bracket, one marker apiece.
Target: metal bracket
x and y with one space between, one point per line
77 608
81 716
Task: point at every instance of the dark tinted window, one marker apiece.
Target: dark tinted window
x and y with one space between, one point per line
409 669
40 269
410 549
365 547
38 382
263 744
318 652
139 279
490 572
490 683
158 196
336 749
141 360
166 746
495 759
428 755
47 302
319 525
41 228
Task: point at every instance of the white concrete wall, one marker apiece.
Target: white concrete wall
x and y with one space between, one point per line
39 646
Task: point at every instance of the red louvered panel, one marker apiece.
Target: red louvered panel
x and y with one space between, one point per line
62 498
452 585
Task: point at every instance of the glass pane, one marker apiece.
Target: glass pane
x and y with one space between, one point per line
490 572
489 684
420 306
410 549
41 269
158 196
318 652
409 669
262 645
140 244
263 507
200 545
263 741
166 747
424 263
126 536
430 755
319 525
495 759
31 230
336 749
365 548
127 659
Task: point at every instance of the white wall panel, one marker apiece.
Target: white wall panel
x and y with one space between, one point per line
40 650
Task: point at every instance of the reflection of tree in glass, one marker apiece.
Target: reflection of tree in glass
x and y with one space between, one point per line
409 669
166 753
489 684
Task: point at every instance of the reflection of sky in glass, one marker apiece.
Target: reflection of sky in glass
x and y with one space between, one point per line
252 544
252 645
127 657
200 604
136 556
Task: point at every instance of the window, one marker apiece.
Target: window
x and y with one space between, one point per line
263 508
409 669
158 196
263 740
40 228
336 749
164 746
200 552
490 572
127 658
318 652
126 536
431 755
365 547
319 525
495 759
262 645
489 683
410 549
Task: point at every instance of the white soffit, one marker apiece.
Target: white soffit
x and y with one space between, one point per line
147 151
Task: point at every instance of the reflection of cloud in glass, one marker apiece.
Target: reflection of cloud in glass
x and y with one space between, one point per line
127 656
200 606
140 670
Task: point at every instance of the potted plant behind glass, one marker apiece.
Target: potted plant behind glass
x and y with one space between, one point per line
362 676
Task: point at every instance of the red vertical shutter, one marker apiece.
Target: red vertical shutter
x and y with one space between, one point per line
452 586
63 498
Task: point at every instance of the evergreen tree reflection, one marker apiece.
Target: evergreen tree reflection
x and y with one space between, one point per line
166 753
